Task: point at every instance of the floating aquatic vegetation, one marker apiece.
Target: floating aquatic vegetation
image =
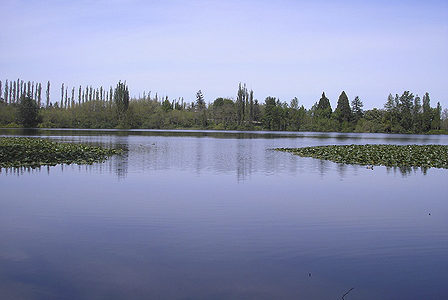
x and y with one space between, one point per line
35 152
425 156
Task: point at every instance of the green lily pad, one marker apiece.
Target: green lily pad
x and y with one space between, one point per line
426 156
35 152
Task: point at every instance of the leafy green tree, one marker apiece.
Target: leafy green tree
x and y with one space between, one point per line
223 111
28 112
273 113
444 119
166 105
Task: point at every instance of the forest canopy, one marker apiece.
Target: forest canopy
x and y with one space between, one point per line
24 104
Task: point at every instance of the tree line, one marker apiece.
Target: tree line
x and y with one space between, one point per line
89 107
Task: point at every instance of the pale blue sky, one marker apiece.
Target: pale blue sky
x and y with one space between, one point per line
279 48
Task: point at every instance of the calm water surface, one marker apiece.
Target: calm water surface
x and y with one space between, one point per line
219 215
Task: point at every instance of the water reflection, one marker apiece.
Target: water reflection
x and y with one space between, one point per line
217 216
240 153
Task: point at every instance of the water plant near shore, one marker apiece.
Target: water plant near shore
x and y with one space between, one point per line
35 152
425 156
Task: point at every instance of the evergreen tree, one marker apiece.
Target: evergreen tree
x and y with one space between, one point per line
200 106
357 111
392 114
406 108
1 89
323 109
436 120
343 111
200 102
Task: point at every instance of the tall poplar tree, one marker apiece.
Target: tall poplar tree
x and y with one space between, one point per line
62 95
39 94
10 92
28 90
48 93
22 87
73 97
18 90
6 91
14 90
121 99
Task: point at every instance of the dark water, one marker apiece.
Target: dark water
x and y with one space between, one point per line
214 215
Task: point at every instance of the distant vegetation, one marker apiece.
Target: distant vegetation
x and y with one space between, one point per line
425 156
25 105
34 152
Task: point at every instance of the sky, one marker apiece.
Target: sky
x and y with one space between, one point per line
281 48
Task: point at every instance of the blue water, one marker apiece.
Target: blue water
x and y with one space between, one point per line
220 215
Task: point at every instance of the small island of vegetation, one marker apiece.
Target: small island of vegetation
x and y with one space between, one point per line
425 156
34 152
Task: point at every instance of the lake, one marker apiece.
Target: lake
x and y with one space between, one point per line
220 215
